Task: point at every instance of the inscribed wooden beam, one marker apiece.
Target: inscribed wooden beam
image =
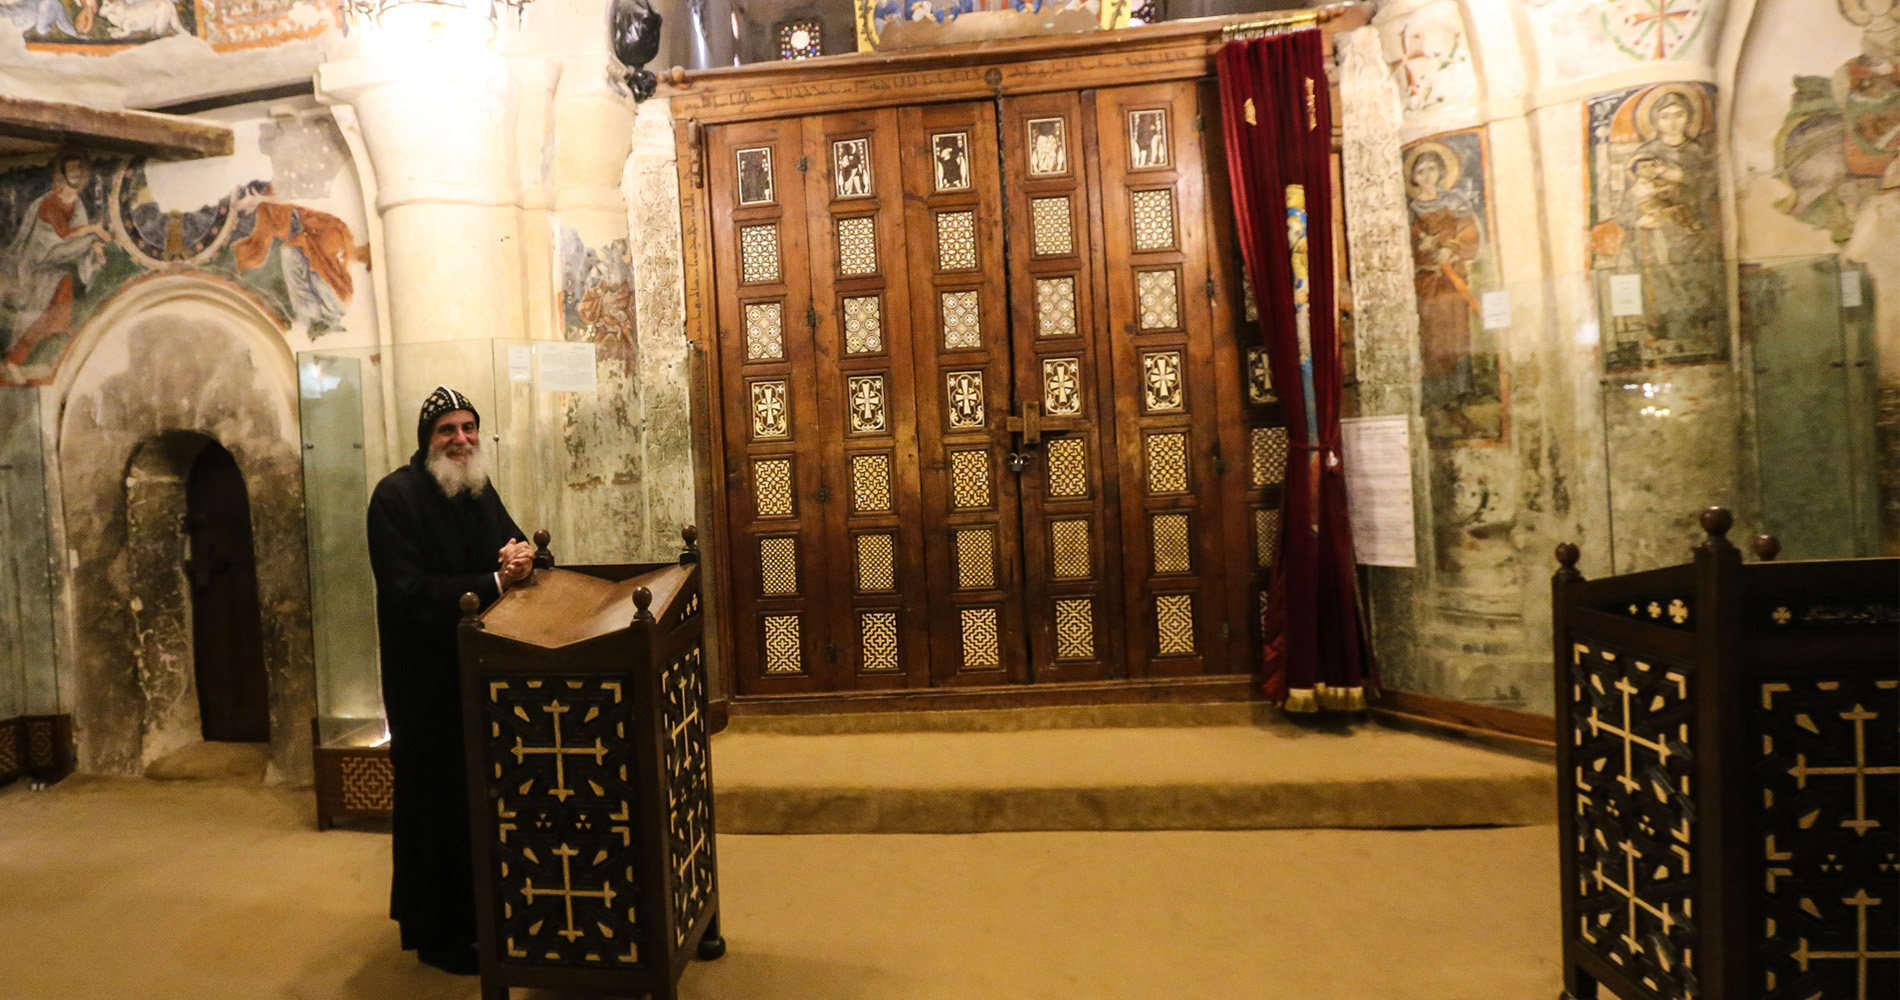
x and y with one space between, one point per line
138 132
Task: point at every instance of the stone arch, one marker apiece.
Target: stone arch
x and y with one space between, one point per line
169 360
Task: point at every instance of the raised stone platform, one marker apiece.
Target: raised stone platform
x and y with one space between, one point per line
1147 767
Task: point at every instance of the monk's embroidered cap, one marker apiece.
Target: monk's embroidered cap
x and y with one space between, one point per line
442 400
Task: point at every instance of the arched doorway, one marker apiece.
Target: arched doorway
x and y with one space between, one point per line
227 633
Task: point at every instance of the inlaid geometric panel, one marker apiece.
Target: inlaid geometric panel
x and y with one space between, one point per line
771 409
784 654
1055 307
857 246
764 331
772 486
1075 629
1251 310
1259 376
976 558
980 647
877 567
961 320
1170 533
964 391
1069 549
758 254
1174 624
1158 299
688 756
1167 463
778 566
864 394
969 479
1061 386
1268 448
863 325
1049 220
565 843
1161 380
956 241
1631 725
368 782
1266 535
871 482
1068 467
877 641
1154 219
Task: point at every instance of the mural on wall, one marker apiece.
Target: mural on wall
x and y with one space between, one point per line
1840 144
106 26
997 18
78 228
1577 39
1453 264
1430 59
597 294
1654 29
1655 237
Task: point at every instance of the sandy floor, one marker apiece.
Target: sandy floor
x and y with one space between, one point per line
128 890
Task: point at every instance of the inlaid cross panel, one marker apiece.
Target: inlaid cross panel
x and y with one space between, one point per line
877 641
1158 299
772 487
1154 219
1161 380
568 893
1075 628
961 320
1857 718
964 391
866 397
1068 467
1069 549
877 570
1259 376
1167 463
1170 543
980 648
969 479
1061 386
558 752
857 246
863 325
771 409
1054 233
871 483
784 653
778 566
1055 307
1268 447
956 241
976 558
758 254
764 331
1174 625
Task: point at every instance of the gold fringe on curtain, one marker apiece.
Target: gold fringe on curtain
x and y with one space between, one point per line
1322 698
1270 25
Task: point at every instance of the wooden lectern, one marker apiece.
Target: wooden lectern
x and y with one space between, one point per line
589 778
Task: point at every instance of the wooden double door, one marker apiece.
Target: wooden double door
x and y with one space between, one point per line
984 412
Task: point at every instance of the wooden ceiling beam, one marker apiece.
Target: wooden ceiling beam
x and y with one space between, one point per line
137 132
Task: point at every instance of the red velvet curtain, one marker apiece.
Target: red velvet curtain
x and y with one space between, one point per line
1278 125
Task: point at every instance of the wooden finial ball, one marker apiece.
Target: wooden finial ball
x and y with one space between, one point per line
691 534
470 604
541 538
1567 554
1766 547
642 598
1717 521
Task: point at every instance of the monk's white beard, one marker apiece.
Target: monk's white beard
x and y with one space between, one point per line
457 478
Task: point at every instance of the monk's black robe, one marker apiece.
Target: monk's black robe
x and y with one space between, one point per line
427 550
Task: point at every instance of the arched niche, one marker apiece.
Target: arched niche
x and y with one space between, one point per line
169 362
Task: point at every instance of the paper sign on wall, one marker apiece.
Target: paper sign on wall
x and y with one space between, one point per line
1850 289
1497 310
520 363
566 367
1378 458
1626 295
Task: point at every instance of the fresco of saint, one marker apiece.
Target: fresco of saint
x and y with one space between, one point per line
1460 393
54 253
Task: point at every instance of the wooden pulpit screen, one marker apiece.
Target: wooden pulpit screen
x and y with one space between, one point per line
590 779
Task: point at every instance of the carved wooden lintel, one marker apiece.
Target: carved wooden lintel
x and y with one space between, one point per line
58 123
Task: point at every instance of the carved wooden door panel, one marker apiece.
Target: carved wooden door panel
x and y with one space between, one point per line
1072 549
1175 466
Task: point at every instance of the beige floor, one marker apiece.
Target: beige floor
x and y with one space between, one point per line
128 890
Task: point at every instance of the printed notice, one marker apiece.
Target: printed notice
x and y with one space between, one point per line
1850 289
1497 310
566 367
1378 457
1626 295
520 363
